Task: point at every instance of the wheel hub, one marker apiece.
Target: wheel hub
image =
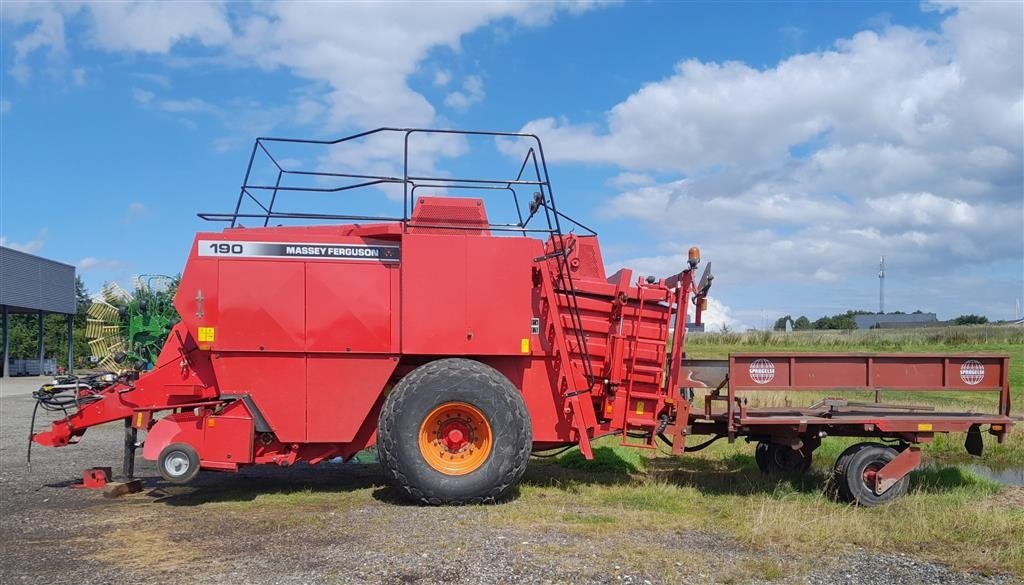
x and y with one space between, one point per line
455 438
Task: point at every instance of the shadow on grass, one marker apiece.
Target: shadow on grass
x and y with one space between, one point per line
932 479
734 474
301 481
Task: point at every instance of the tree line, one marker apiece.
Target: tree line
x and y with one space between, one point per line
845 320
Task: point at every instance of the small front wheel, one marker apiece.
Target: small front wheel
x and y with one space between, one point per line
178 463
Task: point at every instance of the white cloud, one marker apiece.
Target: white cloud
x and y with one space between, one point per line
30 247
92 263
136 210
156 79
142 96
357 57
719 317
154 27
47 32
78 76
900 142
5 105
442 77
472 92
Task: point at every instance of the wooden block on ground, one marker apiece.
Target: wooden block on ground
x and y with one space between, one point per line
116 489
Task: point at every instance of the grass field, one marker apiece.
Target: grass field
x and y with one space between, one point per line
951 515
638 507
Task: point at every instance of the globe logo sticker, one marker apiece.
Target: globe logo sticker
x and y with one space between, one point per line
972 372
762 371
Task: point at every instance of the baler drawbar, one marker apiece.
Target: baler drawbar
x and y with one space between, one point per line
458 346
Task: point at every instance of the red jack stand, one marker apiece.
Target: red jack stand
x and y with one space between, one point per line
95 478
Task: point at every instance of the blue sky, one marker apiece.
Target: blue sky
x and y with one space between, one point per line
795 143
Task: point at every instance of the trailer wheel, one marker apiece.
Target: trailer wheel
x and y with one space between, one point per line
454 431
855 474
772 459
178 463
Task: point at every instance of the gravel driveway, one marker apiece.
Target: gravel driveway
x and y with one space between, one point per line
343 526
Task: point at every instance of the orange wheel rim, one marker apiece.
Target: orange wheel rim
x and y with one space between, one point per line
455 438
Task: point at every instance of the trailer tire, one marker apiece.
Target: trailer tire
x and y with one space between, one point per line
178 463
772 459
854 468
480 391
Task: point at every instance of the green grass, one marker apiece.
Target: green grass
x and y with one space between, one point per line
951 514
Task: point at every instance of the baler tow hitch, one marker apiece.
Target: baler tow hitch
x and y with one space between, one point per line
68 395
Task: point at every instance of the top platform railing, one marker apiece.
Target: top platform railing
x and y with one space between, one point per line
532 174
262 197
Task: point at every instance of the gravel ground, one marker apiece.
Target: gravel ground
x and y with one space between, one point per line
336 534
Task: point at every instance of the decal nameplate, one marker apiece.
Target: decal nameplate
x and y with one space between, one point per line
299 250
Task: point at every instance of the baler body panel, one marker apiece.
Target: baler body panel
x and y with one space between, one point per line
466 295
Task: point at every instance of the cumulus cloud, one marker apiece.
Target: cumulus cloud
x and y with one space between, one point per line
472 92
901 142
442 77
92 263
719 317
29 247
362 53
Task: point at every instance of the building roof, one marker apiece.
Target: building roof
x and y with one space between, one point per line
869 321
31 283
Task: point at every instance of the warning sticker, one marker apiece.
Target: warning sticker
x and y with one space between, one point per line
206 334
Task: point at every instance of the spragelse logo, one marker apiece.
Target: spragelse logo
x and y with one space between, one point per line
972 372
762 371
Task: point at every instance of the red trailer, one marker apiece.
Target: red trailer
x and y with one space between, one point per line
459 345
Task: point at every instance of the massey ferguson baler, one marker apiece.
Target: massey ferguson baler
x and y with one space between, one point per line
459 346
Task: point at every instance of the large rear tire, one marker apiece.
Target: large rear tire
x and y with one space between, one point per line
454 431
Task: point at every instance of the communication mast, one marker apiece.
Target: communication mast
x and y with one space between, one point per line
881 286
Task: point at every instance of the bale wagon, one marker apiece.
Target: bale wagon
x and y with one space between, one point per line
458 345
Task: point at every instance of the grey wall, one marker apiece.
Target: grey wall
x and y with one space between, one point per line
34 283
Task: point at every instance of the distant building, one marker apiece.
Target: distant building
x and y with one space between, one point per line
897 321
30 284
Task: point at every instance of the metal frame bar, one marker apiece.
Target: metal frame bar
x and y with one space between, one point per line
540 179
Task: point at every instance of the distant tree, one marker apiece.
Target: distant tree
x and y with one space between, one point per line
780 323
802 323
970 320
841 321
918 312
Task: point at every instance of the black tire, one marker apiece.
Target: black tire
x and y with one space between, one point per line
432 385
775 459
839 469
178 463
851 484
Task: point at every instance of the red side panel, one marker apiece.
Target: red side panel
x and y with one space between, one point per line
348 306
341 391
434 294
262 306
277 384
498 307
464 295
